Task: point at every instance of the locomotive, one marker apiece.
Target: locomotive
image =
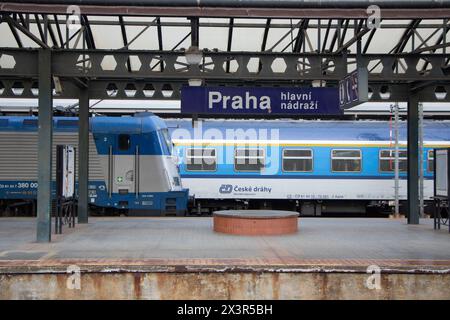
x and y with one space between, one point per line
131 167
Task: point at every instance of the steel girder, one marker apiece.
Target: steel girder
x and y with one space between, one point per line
108 71
170 90
113 64
236 12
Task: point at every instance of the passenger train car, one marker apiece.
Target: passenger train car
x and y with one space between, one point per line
131 167
314 167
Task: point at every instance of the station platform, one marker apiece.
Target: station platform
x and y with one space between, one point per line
183 258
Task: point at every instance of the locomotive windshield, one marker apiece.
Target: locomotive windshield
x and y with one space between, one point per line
167 140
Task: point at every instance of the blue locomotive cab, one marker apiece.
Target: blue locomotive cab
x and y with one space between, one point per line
140 173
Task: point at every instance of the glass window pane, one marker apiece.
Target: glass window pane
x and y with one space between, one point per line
430 165
297 165
201 159
431 161
124 142
387 160
346 165
297 153
249 159
346 153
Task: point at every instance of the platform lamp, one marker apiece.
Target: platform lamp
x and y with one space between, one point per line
318 83
194 57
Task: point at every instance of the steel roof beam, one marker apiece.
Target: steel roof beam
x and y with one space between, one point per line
98 89
66 63
88 31
344 33
15 34
25 22
336 36
327 33
58 30
408 33
40 29
51 31
261 12
209 24
357 36
25 31
229 42
325 4
160 40
264 40
125 40
194 32
300 36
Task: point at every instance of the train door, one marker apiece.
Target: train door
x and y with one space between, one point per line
123 167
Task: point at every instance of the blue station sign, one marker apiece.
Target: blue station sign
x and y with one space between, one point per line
258 100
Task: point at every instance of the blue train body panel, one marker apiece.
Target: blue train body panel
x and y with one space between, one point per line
361 135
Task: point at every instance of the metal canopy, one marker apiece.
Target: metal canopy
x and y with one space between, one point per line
136 49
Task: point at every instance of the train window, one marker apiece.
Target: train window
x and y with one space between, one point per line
387 160
430 161
201 159
168 142
297 160
124 142
346 160
246 159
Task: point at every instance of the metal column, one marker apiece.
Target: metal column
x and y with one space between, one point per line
421 163
83 156
396 162
413 160
45 134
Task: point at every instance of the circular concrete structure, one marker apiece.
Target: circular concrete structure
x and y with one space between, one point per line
255 222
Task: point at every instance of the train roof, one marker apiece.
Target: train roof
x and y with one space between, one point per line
343 130
140 123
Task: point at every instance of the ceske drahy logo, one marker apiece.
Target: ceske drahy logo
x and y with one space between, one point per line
226 188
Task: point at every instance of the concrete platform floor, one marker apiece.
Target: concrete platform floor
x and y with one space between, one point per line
182 258
189 239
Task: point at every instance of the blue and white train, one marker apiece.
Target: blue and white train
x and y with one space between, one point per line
314 167
131 167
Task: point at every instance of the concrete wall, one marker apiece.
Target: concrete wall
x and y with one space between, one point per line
220 285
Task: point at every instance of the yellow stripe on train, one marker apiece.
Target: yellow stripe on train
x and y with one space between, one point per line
299 144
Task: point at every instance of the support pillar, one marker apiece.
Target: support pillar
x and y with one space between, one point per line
194 32
45 135
413 160
83 156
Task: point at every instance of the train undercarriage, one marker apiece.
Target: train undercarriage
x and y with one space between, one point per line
313 208
205 207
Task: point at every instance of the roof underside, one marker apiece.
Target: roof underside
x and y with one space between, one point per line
230 34
243 27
